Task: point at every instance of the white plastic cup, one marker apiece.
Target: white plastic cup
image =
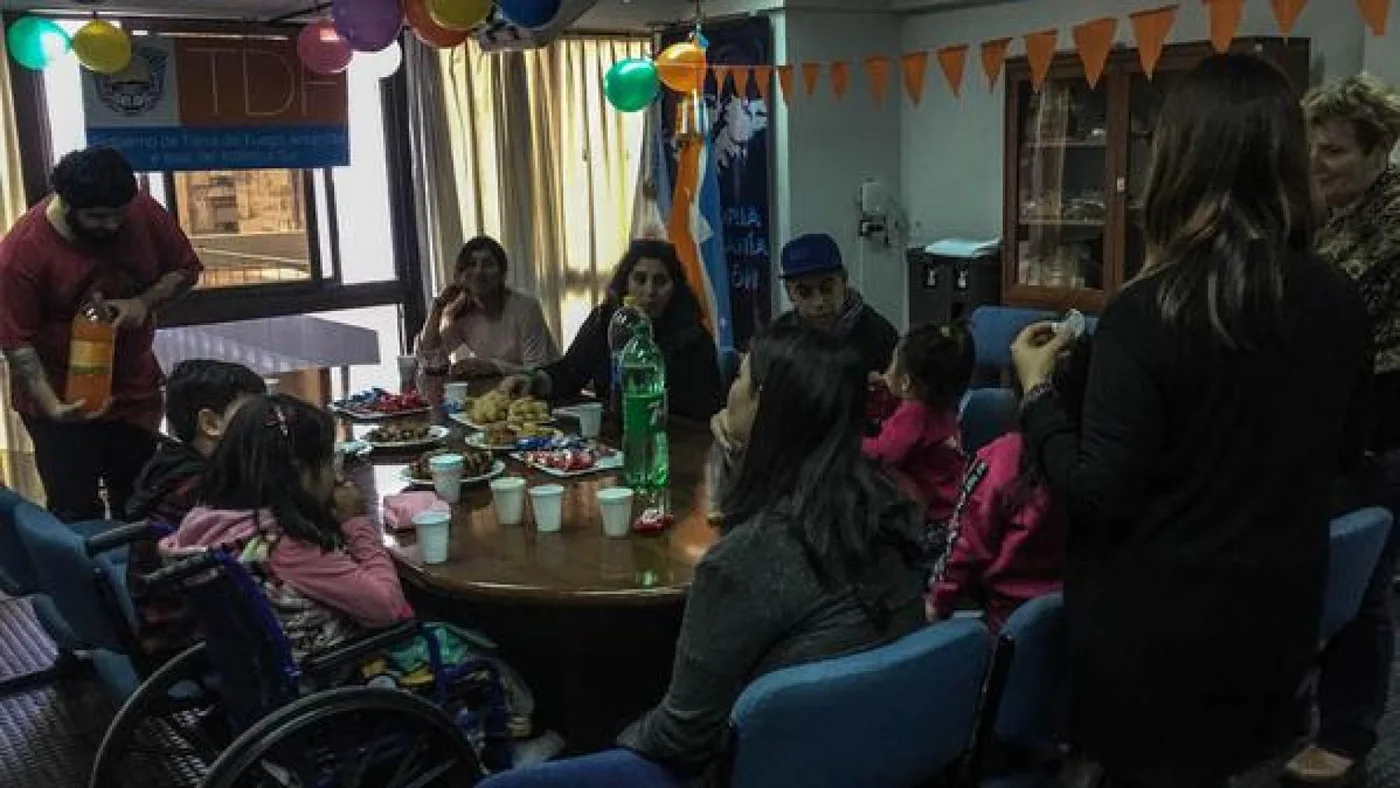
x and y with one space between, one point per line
547 501
274 385
447 476
590 419
508 495
456 394
434 526
615 503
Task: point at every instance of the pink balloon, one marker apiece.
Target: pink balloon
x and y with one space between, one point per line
368 25
322 50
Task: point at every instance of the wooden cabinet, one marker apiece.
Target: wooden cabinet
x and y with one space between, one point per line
1076 161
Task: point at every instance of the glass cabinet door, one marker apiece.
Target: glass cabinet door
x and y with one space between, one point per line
1061 176
1145 98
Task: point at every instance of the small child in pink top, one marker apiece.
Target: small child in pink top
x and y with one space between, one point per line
919 444
1006 543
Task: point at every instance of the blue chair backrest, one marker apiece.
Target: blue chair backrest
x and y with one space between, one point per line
17 575
1033 698
994 328
986 415
1356 543
90 593
892 716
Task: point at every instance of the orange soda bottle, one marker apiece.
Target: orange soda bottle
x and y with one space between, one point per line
90 351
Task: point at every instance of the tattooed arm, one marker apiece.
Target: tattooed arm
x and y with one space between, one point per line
28 370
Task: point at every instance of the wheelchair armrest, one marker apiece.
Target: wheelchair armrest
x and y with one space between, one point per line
359 649
182 570
118 536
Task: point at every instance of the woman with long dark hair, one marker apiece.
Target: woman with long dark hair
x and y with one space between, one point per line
1227 388
650 273
478 325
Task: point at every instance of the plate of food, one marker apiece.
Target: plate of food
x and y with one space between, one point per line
395 437
511 437
496 408
478 466
569 457
379 405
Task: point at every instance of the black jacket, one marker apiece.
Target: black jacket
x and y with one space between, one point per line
872 334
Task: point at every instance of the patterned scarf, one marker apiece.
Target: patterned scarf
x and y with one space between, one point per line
850 313
1364 241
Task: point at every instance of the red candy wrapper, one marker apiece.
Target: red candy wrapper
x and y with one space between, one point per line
652 521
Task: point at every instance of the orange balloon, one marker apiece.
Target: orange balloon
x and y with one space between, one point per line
682 67
428 31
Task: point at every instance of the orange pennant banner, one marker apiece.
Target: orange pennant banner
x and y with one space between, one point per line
721 76
877 71
993 58
1150 29
1093 40
785 82
1286 14
1040 50
742 78
953 62
762 76
840 78
810 73
914 67
1224 21
1376 13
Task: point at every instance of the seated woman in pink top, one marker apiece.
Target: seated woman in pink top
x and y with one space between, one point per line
270 495
478 327
919 445
1006 544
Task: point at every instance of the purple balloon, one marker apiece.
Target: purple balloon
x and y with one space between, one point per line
367 25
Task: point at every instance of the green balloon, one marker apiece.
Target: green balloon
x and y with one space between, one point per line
35 42
631 84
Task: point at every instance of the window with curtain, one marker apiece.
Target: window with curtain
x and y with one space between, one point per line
542 162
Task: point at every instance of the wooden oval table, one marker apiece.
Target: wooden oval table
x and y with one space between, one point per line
589 621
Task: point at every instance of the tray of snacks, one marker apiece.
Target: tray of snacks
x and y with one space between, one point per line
477 466
496 408
379 405
397 437
512 437
566 457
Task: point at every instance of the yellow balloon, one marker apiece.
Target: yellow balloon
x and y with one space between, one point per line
682 67
459 14
102 47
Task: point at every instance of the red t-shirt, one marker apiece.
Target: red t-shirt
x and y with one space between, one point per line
45 279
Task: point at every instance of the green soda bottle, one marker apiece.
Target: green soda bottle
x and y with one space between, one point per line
646 464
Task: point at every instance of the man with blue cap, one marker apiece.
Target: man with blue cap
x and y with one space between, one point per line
815 280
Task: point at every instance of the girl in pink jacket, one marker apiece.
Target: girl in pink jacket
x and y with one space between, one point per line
271 495
1006 543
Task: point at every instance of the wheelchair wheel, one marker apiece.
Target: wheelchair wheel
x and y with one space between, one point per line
166 732
352 737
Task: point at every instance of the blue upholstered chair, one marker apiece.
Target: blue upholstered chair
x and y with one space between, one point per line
985 415
994 328
1356 543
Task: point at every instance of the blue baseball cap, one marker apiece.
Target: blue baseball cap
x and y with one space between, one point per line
815 253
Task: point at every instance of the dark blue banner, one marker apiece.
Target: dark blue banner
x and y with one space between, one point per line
177 148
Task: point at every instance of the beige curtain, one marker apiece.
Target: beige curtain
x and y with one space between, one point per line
542 163
439 216
13 438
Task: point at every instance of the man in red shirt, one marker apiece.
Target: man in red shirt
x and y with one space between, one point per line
96 240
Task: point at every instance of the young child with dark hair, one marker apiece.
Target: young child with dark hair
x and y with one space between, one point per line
919 445
198 397
1006 542
271 496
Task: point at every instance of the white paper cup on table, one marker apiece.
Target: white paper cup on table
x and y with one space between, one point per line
590 418
615 503
547 501
508 495
434 526
456 394
447 476
274 385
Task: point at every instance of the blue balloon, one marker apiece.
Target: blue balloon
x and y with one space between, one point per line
529 13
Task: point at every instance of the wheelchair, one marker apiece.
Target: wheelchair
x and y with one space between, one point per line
276 722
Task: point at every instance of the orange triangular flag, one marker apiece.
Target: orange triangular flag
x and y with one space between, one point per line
1375 12
810 73
953 61
1286 13
761 77
840 78
914 66
1094 40
721 76
993 58
877 71
1150 29
785 82
742 78
1224 21
1040 50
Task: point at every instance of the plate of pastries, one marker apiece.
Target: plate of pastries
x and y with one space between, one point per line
499 409
412 435
477 466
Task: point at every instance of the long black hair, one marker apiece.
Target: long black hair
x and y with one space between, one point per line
803 465
682 314
259 461
1228 200
1070 379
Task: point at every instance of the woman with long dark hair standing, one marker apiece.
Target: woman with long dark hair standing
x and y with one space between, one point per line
1227 388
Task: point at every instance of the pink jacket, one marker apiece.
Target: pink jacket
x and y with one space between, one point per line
921 449
358 580
1003 560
